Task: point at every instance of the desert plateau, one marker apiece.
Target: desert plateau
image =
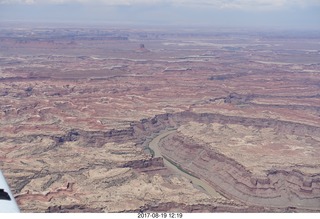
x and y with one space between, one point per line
101 119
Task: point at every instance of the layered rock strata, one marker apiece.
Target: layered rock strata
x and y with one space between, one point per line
285 185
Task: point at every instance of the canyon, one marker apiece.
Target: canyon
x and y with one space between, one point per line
127 120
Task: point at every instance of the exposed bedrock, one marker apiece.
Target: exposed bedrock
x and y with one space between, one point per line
72 209
278 188
286 187
160 122
200 208
95 138
92 138
139 164
139 131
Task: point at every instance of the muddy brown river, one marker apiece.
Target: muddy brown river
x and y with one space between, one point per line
198 183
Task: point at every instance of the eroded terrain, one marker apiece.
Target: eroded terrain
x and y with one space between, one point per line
80 108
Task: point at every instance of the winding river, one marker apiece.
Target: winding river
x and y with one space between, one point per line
198 183
282 198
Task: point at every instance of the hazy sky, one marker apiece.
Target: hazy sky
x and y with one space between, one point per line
251 13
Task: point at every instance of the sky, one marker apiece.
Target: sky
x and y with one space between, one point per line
296 14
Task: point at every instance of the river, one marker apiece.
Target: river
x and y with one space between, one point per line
198 183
